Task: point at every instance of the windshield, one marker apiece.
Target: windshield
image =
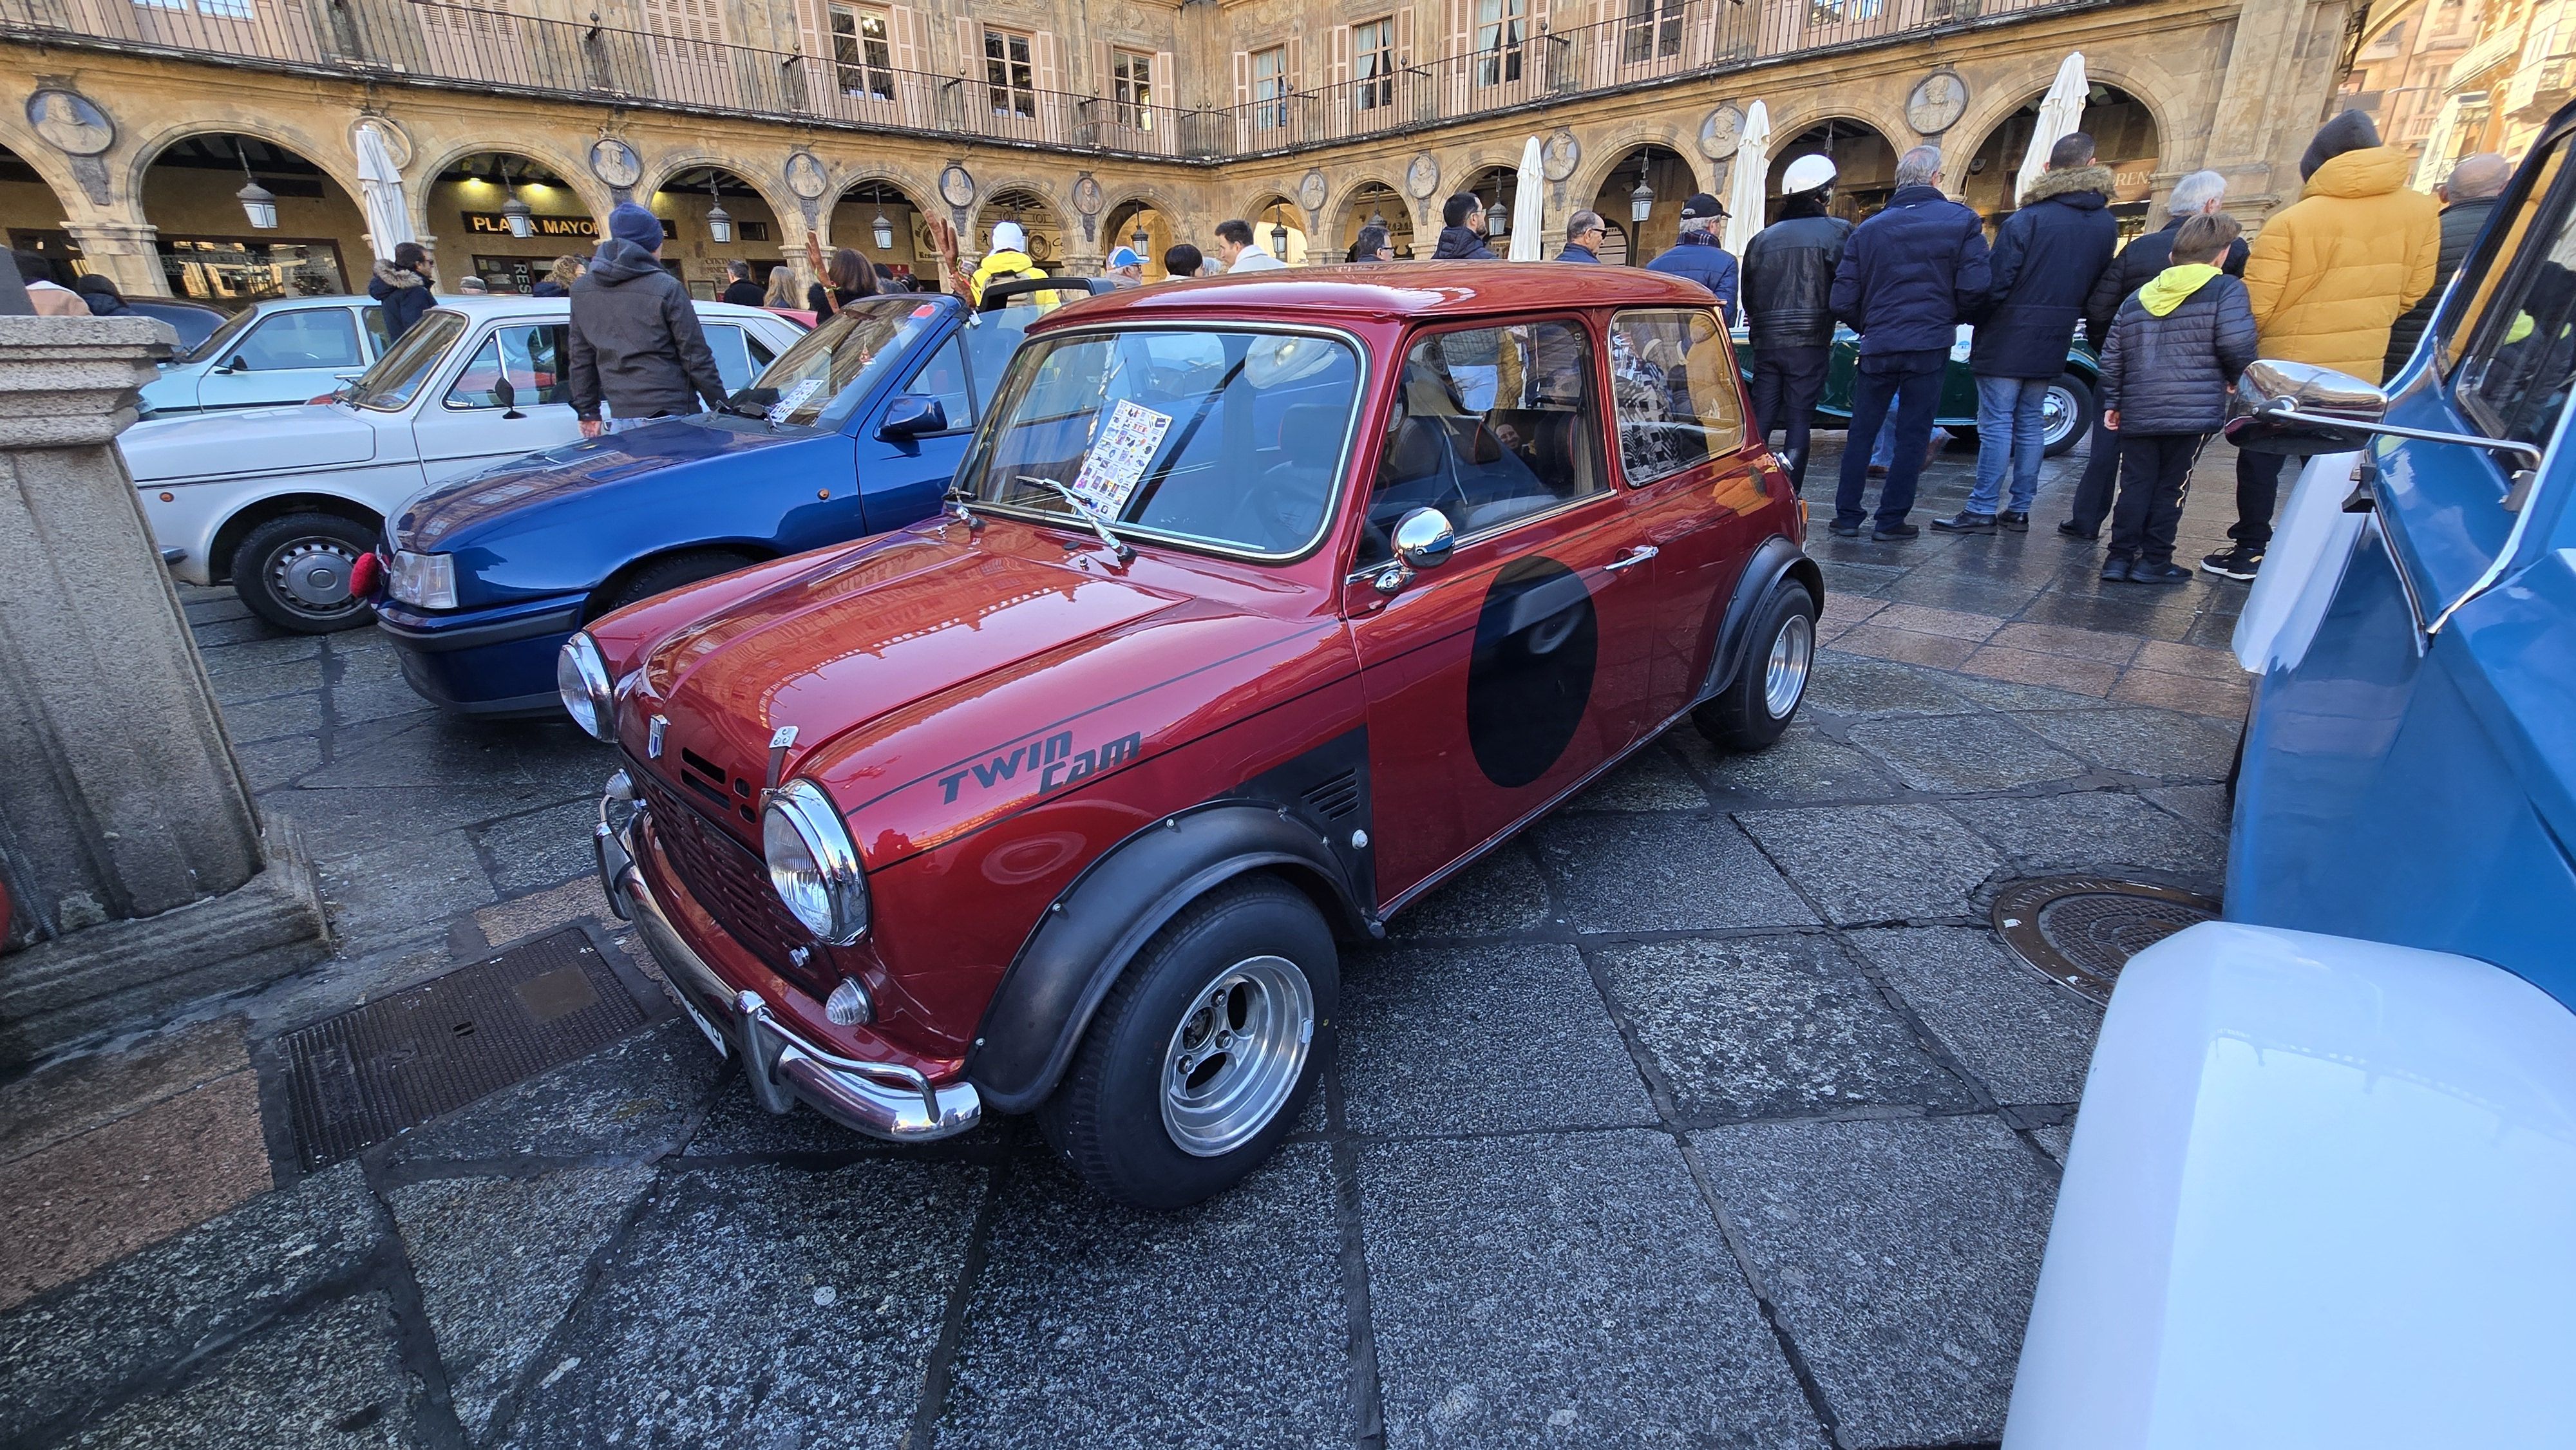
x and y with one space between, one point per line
1230 439
222 336
829 370
397 375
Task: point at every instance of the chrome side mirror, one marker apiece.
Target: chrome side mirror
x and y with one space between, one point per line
2301 408
1423 540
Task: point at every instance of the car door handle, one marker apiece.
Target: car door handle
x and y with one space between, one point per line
1631 559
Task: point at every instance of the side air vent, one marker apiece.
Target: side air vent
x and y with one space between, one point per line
1337 797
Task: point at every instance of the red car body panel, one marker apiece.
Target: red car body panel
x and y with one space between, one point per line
994 709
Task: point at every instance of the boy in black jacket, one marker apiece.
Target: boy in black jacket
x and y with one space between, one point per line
2175 349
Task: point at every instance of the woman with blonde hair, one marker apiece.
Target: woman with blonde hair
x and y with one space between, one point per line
781 296
558 279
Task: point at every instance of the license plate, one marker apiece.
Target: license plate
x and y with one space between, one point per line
715 1039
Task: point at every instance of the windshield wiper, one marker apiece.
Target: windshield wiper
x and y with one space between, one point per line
1099 526
961 508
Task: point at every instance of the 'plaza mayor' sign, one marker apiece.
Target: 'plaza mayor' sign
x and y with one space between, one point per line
494 224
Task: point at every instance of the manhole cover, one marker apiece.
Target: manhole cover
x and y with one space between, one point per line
2081 930
359 1078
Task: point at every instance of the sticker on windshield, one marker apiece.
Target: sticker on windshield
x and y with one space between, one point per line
1119 457
794 398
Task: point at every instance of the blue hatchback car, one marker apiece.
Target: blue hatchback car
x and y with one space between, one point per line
853 431
2322 1186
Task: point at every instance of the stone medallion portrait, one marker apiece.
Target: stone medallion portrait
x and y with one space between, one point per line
957 186
1721 132
1561 154
71 121
1311 191
1422 177
615 162
804 173
1086 194
1938 101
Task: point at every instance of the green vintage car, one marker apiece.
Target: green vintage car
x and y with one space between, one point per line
2068 412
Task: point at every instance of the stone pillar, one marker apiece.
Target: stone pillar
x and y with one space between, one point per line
2280 71
146 878
129 253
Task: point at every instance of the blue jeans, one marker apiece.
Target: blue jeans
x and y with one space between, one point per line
2008 433
1906 386
1885 448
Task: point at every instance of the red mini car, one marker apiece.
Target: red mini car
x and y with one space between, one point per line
1261 606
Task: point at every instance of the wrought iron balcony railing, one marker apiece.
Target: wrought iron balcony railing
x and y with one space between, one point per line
485 48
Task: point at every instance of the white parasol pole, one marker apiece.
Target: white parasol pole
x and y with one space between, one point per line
1748 188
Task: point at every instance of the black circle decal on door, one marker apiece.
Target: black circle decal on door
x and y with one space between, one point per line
1531 675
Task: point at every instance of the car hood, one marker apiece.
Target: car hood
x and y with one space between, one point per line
486 503
250 440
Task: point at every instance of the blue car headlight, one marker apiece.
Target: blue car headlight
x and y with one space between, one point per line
424 581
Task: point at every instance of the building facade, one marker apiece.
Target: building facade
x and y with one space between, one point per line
1094 124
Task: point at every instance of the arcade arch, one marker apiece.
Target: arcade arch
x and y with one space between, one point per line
2125 138
212 246
466 207
884 222
1864 165
1667 180
687 201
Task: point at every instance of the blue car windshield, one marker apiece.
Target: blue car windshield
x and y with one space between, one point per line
821 379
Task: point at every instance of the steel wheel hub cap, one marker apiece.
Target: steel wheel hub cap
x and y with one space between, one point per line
1784 675
313 575
1236 1055
2056 415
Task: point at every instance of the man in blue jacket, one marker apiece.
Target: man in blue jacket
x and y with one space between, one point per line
2047 257
1907 277
1697 255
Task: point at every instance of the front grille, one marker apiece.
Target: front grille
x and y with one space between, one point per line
727 879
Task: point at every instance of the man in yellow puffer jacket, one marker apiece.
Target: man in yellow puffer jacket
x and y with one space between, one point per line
2327 276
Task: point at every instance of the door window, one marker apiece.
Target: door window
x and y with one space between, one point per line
944 377
1492 425
531 357
2514 356
1675 389
320 337
373 320
734 361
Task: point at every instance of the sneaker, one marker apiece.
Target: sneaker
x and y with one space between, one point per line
1964 522
2073 530
2117 570
1888 532
1878 470
2237 563
1844 531
2018 523
2165 573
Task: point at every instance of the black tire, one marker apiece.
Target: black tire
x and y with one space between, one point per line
1109 1119
293 571
2075 399
664 575
1748 714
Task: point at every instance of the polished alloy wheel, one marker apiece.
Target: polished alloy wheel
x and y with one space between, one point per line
1784 675
1236 1056
2057 415
311 576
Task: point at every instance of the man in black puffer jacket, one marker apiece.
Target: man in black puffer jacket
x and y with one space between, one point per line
1462 231
1788 307
2047 257
2173 352
2198 194
635 338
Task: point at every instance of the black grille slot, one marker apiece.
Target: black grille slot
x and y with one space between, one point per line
730 881
1337 797
701 765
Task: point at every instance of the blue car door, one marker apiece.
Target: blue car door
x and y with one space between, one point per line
2407 778
902 479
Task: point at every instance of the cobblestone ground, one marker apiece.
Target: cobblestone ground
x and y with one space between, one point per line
1709 1113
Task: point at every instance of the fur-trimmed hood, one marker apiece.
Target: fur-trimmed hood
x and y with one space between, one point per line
2071 180
398 277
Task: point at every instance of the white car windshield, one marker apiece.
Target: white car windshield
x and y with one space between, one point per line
389 385
1229 439
820 379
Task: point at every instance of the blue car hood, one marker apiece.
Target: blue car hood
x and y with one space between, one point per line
437 520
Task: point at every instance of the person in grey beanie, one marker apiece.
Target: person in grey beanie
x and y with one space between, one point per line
635 342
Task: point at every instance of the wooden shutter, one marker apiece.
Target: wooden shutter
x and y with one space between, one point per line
908 39
970 48
1165 94
818 85
1404 36
1337 80
1047 54
1104 77
1341 61
1243 99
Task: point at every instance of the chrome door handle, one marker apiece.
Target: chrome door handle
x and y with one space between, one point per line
1631 559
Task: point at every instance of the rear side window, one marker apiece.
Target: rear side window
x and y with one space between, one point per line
321 337
2513 355
531 357
1675 389
1493 425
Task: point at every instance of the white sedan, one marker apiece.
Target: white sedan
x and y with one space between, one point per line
282 501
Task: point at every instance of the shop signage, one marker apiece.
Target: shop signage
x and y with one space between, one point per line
2133 180
493 224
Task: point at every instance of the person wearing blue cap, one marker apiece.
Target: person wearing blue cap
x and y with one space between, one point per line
635 342
1126 269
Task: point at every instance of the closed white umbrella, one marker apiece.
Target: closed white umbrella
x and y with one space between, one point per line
1528 231
380 191
2061 114
1748 187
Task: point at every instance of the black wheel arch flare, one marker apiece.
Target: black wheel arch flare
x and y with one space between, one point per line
1777 562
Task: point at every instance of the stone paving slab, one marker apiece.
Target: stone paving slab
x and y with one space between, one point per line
1902 1254
2099 831
334 1377
1097 1325
1564 1289
1801 766
1964 753
2027 1039
1876 863
1504 892
634 1100
1663 873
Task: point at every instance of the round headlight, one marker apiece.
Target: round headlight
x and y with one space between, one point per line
812 864
581 677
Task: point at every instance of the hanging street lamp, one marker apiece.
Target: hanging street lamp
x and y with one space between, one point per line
518 214
1498 220
719 221
883 229
1641 202
1279 241
257 201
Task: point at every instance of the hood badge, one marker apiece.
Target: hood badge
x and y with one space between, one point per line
653 737
779 741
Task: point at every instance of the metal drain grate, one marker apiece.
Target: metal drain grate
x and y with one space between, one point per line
2081 930
359 1078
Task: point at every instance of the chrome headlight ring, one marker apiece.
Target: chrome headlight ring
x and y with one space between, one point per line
581 678
813 864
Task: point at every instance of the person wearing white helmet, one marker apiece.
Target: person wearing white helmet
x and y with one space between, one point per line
1788 312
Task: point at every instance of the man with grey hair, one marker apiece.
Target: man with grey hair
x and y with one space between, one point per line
2467 195
1907 277
2201 193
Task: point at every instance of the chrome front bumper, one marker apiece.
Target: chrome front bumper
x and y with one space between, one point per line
881 1099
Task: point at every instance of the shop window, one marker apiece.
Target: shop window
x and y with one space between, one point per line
1131 86
1373 62
1009 73
863 51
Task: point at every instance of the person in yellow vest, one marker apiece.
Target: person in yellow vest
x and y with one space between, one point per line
1007 259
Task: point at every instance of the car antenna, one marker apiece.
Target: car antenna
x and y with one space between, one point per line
961 509
1117 545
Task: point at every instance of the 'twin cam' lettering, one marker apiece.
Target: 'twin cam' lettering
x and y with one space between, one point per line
1053 760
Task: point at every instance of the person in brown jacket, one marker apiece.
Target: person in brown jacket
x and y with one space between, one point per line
2327 276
